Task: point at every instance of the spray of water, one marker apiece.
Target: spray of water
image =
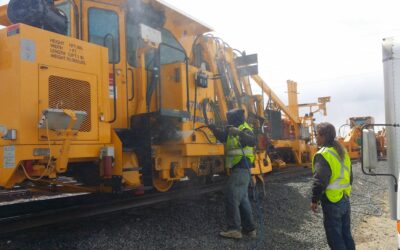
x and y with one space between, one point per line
185 134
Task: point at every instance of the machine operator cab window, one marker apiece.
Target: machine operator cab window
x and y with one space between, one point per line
103 28
170 49
142 18
66 8
104 31
132 43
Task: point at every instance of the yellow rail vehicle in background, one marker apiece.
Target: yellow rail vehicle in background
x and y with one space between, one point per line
352 140
118 99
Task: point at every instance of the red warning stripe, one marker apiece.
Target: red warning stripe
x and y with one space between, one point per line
13 30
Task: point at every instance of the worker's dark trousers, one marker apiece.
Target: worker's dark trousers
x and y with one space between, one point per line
237 204
337 224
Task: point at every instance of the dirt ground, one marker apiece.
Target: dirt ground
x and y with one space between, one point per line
194 223
376 232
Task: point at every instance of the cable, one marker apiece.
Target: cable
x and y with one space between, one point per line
30 177
204 107
205 134
195 106
48 163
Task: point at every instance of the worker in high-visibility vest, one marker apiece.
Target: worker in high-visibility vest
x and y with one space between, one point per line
332 180
240 140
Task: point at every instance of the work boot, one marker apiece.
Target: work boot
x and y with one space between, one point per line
251 234
234 234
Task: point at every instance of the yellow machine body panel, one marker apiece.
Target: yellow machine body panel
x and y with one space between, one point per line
35 64
41 70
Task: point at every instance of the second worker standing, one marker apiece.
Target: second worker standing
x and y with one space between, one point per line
240 141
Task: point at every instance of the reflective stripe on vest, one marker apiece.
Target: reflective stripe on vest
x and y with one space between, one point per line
234 152
336 184
339 183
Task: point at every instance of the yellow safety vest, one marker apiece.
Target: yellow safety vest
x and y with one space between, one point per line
234 152
339 183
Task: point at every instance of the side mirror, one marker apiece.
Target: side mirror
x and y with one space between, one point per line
369 151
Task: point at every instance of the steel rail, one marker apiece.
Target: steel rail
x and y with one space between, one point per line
7 195
28 215
28 220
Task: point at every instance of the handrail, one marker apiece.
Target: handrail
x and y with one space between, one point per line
132 88
113 68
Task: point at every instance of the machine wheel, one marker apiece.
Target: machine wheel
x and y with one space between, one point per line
161 185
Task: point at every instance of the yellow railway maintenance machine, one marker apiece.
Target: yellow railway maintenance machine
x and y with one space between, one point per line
292 139
108 93
352 140
288 136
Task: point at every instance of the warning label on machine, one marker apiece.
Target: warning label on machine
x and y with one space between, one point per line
111 86
9 157
67 51
28 50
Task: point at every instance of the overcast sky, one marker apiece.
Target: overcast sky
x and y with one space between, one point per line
331 48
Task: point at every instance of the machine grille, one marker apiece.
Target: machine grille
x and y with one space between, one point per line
66 93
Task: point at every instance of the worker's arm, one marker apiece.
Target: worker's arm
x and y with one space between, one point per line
247 138
321 178
220 133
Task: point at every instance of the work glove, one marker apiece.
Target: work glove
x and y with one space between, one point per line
212 127
233 131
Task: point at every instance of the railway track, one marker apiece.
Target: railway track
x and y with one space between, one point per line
52 210
7 195
281 175
28 215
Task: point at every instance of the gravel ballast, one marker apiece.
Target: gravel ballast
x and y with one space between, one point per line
194 223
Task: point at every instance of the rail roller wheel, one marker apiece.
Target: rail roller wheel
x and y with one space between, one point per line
161 184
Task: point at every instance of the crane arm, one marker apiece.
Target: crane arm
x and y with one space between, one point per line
267 90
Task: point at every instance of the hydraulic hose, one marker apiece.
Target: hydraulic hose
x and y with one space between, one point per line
195 106
204 109
204 133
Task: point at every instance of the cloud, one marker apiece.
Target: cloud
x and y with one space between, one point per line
350 97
